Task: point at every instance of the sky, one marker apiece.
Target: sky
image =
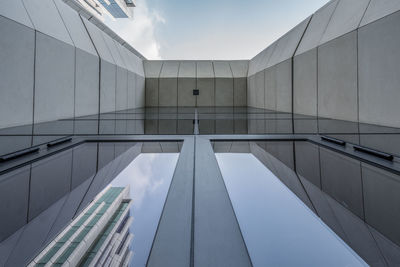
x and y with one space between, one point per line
210 29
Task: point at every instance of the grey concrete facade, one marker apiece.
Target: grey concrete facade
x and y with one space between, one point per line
220 83
341 65
58 65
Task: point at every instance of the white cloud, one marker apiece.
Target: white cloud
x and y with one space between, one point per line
140 32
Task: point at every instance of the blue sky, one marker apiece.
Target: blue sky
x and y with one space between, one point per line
210 29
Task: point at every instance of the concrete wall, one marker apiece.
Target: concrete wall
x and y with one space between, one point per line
220 83
56 64
270 72
340 62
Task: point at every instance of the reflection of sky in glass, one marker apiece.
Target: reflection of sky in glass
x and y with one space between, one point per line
279 230
149 177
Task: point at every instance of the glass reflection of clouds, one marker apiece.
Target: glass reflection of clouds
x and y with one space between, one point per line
149 177
279 230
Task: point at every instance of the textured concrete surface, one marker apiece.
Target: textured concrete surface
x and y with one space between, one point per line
270 88
51 23
337 78
15 10
86 83
305 83
186 83
240 92
317 27
287 44
284 86
378 68
378 9
75 28
16 73
54 79
346 18
220 83
259 90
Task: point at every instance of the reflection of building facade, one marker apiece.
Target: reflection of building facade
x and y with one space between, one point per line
113 8
98 236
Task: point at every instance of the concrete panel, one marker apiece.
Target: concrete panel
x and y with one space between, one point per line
54 79
217 237
260 90
239 68
206 87
169 69
307 162
205 69
251 92
223 92
185 92
240 92
284 86
107 86
14 192
46 19
110 43
187 69
168 92
140 91
127 57
346 18
379 78
253 64
123 57
222 69
50 181
378 9
75 27
172 243
152 92
337 78
15 10
260 61
121 92
381 200
139 65
98 40
152 68
341 179
86 84
16 73
131 90
317 27
287 44
270 88
268 52
305 83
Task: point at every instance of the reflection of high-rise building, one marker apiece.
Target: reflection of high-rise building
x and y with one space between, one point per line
113 8
98 236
